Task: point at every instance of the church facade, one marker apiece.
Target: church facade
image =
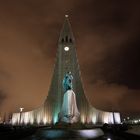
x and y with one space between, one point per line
48 113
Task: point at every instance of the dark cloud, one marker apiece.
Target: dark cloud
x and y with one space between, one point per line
121 66
107 41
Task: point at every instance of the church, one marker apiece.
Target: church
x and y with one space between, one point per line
66 100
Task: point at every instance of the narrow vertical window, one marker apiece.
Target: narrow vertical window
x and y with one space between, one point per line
66 38
70 40
62 40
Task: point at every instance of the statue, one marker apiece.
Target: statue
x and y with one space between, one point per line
69 112
67 81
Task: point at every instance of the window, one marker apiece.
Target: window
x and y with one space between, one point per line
70 40
66 38
62 40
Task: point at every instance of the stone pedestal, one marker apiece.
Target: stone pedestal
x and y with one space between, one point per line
69 112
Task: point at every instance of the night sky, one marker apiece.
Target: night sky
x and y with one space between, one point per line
107 34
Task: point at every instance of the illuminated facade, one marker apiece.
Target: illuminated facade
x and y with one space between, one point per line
66 61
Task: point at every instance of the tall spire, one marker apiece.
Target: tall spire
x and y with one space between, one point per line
66 61
66 35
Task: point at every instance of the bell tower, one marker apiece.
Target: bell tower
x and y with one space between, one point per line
66 61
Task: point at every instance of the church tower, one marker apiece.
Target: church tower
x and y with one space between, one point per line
66 61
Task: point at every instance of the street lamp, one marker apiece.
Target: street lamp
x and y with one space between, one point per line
21 109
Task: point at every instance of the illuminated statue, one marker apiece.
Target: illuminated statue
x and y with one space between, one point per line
67 81
69 112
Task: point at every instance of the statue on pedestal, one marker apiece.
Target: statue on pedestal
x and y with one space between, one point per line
69 112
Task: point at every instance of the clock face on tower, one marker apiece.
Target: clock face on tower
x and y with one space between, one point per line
66 48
